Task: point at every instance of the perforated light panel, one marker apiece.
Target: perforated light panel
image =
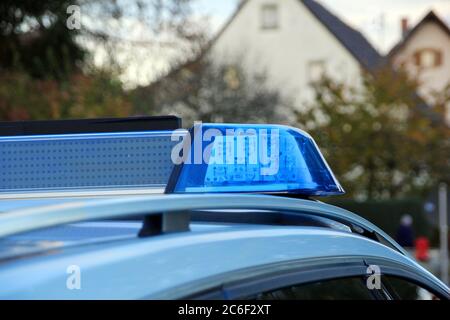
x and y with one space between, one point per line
79 161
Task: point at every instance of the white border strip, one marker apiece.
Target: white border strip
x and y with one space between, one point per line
81 194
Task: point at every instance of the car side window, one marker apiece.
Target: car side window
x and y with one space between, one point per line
337 289
405 290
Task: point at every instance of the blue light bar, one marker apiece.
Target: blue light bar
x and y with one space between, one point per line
251 158
64 162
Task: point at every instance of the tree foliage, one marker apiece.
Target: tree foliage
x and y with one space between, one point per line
208 92
47 70
34 38
94 94
380 139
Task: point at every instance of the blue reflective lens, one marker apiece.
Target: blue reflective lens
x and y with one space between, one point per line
252 158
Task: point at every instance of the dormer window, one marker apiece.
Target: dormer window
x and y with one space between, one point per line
427 58
269 16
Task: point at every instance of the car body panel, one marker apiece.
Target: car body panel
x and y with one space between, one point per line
28 219
119 265
136 268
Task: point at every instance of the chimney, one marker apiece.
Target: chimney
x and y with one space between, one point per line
405 28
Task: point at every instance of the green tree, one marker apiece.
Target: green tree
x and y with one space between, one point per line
46 69
381 140
34 38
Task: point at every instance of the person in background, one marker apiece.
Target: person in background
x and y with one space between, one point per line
405 233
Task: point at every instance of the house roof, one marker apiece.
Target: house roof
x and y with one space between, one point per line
430 17
350 38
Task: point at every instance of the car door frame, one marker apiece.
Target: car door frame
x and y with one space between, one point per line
251 281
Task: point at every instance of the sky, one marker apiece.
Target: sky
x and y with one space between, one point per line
378 20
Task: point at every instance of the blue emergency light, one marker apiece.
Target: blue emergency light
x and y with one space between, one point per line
250 158
210 158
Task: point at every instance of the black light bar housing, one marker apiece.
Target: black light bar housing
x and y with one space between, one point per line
104 125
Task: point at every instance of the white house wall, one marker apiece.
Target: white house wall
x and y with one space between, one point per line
428 36
284 53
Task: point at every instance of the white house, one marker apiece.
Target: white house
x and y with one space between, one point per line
424 52
294 42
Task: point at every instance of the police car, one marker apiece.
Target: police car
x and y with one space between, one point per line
139 208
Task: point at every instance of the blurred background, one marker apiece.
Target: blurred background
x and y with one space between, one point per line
369 80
